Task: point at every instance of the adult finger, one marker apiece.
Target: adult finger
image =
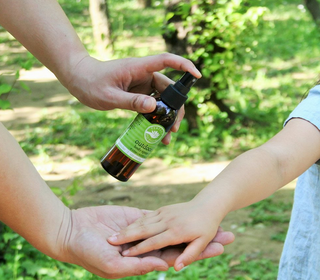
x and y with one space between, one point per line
213 249
161 61
155 242
224 237
179 119
131 101
160 82
167 139
171 253
130 267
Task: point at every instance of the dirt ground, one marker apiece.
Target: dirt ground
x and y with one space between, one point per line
154 184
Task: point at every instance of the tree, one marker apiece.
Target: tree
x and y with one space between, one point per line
210 32
99 13
313 7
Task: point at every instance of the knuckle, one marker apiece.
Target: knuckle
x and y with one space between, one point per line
151 243
190 258
143 229
135 102
165 55
161 210
142 271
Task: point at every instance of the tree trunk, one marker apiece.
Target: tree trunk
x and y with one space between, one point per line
99 14
313 7
145 3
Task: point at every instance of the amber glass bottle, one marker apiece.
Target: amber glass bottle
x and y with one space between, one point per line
146 131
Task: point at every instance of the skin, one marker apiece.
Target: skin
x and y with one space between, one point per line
30 208
27 204
249 178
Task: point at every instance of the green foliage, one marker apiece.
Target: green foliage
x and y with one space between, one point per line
249 55
89 130
67 194
268 211
221 33
6 88
9 80
98 131
280 236
136 31
21 261
263 269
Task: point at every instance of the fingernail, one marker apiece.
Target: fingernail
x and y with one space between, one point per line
180 266
161 268
113 237
147 104
125 253
198 72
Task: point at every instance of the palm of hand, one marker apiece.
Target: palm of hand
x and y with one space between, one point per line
86 243
89 248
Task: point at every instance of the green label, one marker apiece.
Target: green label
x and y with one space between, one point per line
140 139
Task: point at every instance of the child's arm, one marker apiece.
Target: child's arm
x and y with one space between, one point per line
249 178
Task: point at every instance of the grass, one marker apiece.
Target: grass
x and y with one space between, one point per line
26 263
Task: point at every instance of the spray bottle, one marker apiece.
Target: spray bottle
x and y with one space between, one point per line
146 131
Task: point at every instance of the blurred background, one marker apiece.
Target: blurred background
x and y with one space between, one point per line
258 58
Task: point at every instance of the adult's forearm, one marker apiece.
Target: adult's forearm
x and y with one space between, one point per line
27 204
43 28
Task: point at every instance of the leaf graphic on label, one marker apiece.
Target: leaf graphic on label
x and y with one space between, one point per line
153 134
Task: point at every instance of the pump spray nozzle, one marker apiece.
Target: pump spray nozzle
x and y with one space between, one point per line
176 95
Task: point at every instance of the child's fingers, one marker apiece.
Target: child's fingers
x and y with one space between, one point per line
156 242
190 254
135 234
143 222
213 249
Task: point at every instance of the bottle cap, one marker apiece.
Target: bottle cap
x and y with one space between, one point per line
176 95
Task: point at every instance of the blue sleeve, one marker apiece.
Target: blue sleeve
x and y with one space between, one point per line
309 108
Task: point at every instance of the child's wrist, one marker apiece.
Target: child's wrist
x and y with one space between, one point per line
214 204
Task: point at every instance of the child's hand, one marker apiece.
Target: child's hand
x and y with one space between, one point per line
189 223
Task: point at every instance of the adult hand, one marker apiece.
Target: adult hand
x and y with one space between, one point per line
172 225
85 244
97 84
126 83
